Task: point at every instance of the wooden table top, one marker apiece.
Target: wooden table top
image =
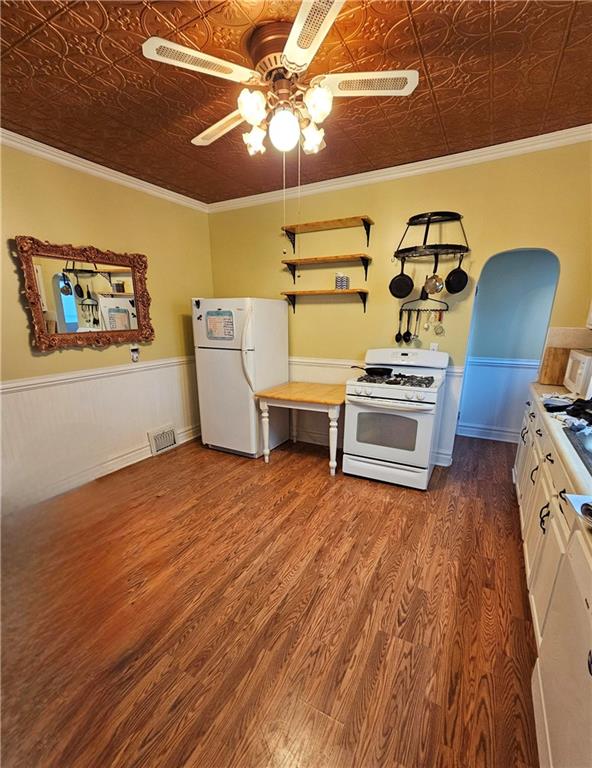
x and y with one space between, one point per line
306 392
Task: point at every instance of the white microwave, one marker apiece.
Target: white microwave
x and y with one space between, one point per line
578 374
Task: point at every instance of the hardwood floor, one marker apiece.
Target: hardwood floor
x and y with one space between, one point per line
201 609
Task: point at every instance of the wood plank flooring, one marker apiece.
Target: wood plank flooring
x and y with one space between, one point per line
201 609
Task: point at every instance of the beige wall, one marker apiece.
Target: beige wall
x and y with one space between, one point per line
54 203
538 200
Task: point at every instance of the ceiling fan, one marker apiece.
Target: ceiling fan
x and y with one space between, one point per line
283 104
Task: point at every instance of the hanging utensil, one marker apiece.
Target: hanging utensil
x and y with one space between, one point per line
66 288
399 335
439 328
407 334
457 279
434 283
401 285
416 331
78 288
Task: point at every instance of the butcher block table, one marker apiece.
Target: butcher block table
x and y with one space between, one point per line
303 396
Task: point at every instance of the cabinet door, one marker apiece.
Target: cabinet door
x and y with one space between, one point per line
566 660
531 477
524 446
545 569
538 513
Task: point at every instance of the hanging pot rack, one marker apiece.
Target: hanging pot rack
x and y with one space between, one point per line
443 306
430 250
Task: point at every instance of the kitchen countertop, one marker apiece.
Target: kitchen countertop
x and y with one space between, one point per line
572 463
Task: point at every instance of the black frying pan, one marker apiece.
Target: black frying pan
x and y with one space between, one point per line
456 281
401 285
374 370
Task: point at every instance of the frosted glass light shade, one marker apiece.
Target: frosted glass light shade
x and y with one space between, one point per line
252 106
284 130
254 140
318 101
312 139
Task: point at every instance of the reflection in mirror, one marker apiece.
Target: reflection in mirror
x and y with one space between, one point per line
81 296
77 297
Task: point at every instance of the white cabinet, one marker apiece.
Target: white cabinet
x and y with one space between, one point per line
545 568
565 664
538 511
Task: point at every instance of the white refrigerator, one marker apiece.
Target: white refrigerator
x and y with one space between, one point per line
241 347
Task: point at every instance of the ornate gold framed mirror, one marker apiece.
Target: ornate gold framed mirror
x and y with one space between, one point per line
81 297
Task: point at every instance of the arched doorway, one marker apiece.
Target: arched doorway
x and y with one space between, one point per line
511 314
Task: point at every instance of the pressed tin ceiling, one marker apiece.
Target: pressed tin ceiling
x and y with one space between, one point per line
491 71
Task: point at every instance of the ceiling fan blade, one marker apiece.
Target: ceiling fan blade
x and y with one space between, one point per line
158 49
314 20
396 82
218 130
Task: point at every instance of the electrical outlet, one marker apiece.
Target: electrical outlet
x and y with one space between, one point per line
134 352
434 346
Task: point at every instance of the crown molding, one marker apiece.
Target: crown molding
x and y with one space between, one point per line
471 157
32 147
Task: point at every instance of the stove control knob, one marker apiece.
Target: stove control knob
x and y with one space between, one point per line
358 390
368 391
420 396
409 395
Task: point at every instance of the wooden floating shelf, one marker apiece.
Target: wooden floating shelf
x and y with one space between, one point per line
292 230
361 292
293 264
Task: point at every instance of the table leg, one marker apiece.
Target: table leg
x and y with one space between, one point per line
294 424
265 429
333 417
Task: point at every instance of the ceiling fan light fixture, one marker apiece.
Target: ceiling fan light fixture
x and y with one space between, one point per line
252 106
312 139
318 101
284 129
254 140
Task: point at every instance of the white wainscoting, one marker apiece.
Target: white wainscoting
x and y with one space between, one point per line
314 428
493 398
61 431
64 430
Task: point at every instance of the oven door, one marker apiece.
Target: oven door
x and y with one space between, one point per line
392 430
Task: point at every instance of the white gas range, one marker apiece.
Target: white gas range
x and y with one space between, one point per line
392 416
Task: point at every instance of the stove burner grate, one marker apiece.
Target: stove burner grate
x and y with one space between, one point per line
400 380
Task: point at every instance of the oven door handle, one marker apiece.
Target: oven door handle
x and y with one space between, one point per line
392 405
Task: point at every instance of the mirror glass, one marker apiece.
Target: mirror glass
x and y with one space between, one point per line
78 296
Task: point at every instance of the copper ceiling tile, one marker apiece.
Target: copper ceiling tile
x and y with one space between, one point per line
490 71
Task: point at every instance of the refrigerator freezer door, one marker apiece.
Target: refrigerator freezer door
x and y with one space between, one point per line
227 409
222 323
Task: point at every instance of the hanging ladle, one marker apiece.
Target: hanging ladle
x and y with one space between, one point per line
407 334
399 335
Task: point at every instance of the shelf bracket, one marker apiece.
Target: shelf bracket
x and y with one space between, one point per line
292 268
365 261
292 299
367 224
364 297
291 235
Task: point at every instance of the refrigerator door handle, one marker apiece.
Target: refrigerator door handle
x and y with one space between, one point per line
244 351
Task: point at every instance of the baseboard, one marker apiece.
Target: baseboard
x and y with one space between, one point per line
488 433
442 459
113 464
